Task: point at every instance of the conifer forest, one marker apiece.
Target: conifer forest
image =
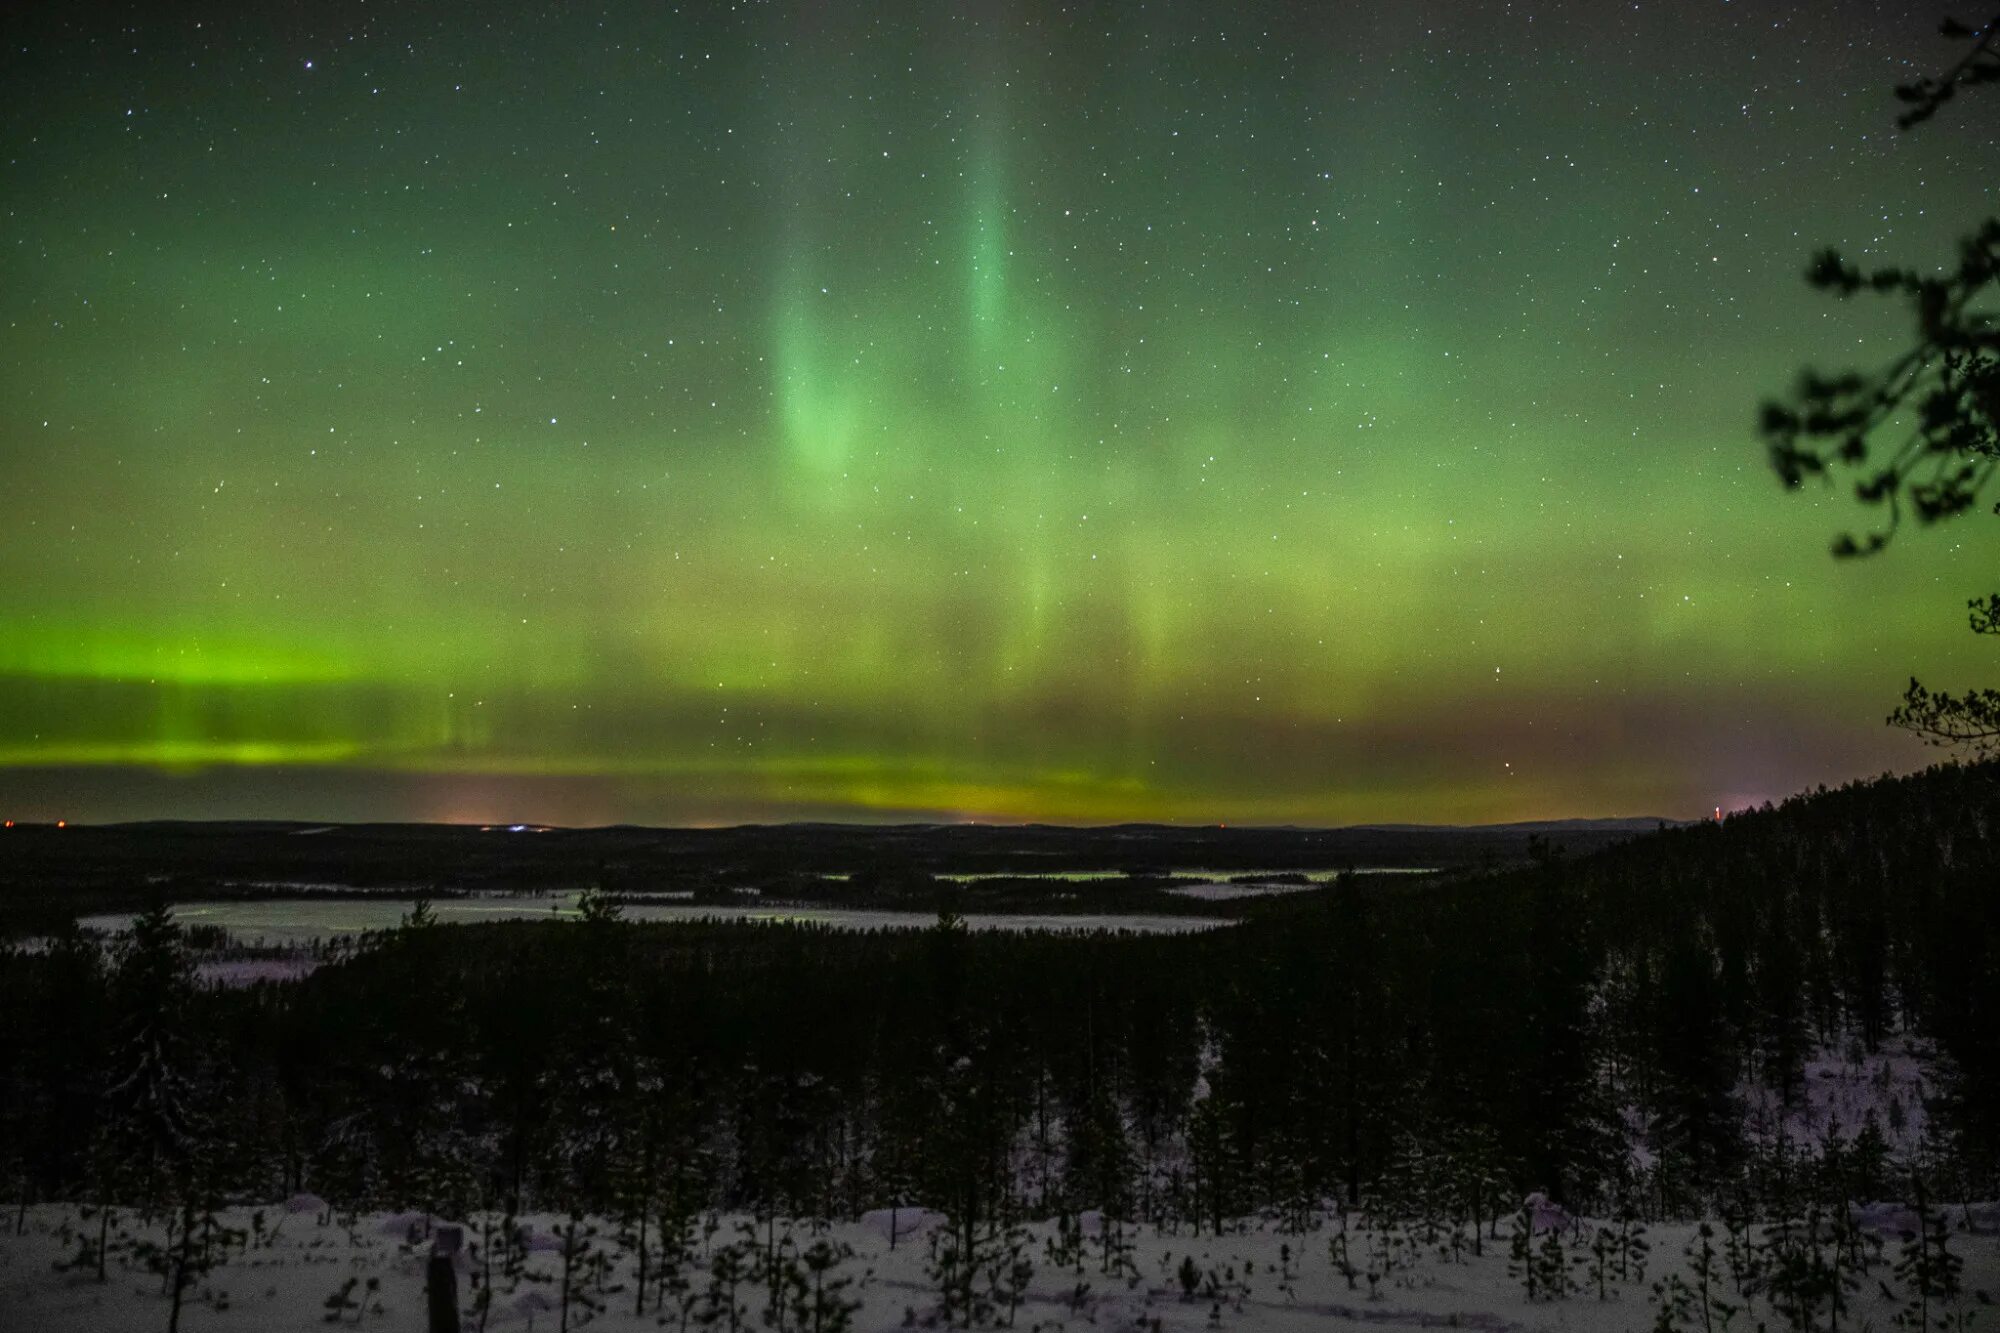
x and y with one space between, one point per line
1634 1036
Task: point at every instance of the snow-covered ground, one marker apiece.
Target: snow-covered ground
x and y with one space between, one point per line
1257 1278
303 921
250 971
1842 1086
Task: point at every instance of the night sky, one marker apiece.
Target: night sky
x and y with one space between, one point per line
1318 413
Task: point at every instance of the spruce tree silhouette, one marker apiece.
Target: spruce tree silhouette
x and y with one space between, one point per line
1922 434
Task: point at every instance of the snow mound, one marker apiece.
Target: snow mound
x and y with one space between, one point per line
1546 1214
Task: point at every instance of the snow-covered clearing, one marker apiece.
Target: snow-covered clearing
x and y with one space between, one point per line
1842 1086
250 971
372 1269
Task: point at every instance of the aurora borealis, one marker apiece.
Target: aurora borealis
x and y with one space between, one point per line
1309 413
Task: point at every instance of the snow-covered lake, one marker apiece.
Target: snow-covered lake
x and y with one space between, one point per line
1221 893
1318 877
301 921
1241 885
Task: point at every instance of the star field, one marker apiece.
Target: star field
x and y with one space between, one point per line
1306 413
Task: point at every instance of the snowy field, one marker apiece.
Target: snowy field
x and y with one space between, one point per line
1842 1087
306 921
308 1269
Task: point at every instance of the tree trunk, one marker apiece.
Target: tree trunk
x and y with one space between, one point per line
441 1280
569 1264
639 1305
182 1257
441 1294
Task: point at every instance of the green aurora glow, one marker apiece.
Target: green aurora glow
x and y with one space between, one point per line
1314 414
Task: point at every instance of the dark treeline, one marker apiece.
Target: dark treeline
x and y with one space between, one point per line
1404 1046
49 874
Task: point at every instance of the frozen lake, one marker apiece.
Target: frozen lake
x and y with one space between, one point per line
1318 877
1223 893
301 921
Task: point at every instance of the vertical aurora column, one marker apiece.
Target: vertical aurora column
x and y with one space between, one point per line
818 406
986 244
